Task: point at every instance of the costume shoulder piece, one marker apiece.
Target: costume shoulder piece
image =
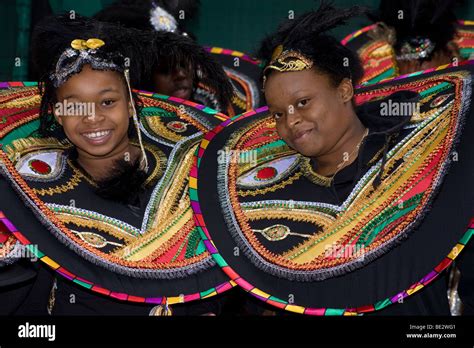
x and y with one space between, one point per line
146 252
244 73
378 58
290 244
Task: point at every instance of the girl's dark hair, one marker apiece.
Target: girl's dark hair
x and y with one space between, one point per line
51 38
170 51
433 19
53 35
308 35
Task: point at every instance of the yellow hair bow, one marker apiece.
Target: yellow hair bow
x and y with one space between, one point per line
80 44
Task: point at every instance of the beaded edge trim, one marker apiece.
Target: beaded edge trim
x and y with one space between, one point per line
183 298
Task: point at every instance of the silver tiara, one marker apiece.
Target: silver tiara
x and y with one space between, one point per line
81 53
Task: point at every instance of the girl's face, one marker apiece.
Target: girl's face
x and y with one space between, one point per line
93 108
311 114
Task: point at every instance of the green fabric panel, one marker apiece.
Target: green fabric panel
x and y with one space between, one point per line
200 248
389 73
466 52
21 132
376 230
434 89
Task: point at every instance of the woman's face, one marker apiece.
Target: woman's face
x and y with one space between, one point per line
98 123
176 83
311 114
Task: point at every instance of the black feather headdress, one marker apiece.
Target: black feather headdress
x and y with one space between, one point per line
307 36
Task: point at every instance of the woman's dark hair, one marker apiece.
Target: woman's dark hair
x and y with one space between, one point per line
53 35
170 51
308 34
432 19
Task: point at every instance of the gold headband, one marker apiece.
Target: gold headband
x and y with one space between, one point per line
287 60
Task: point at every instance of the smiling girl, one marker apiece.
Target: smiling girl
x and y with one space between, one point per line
107 178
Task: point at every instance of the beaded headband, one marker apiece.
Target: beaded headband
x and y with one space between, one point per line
82 52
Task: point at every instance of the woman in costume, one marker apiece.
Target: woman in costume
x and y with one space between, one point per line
186 82
99 191
409 36
340 201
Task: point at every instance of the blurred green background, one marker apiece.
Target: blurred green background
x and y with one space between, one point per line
236 24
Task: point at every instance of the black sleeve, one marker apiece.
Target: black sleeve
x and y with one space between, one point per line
466 282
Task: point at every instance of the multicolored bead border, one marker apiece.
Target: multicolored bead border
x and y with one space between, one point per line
229 52
220 116
10 227
277 302
4 85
